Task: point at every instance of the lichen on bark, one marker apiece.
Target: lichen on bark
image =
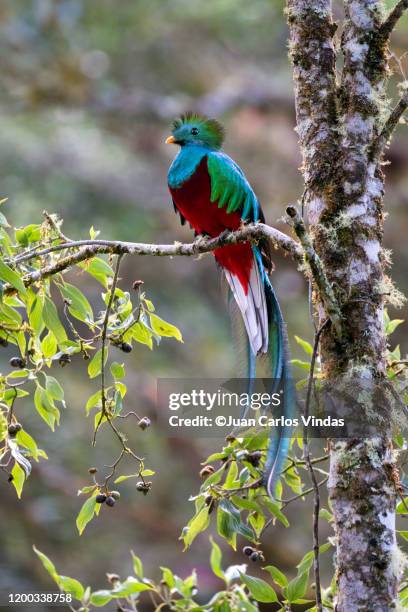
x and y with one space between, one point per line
339 121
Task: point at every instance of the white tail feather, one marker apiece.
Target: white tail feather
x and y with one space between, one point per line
252 307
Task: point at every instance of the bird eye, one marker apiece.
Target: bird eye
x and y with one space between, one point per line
194 131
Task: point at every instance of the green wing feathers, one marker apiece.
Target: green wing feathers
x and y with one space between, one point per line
230 188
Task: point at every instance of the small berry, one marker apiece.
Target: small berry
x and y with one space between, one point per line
143 487
248 550
115 494
92 470
3 342
254 458
64 359
137 284
125 347
10 478
144 423
110 501
254 556
101 498
13 429
17 362
207 471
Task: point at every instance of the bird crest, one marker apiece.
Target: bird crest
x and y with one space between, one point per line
211 127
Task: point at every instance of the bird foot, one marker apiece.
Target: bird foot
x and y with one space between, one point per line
199 241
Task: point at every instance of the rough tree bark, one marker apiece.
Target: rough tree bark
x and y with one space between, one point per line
342 125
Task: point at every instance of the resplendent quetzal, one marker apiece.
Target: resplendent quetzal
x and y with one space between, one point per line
211 192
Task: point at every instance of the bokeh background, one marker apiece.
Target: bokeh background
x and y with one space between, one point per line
88 91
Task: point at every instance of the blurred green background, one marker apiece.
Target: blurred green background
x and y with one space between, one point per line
88 91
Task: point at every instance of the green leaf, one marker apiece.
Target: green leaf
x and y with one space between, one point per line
391 326
137 565
35 316
9 276
10 314
94 401
231 479
86 514
163 328
49 345
277 576
52 321
129 587
79 306
274 509
117 370
54 388
325 514
72 586
306 346
259 589
95 365
307 561
140 333
24 439
148 303
257 522
215 560
87 489
246 504
45 407
168 577
123 478
297 587
304 365
48 564
197 524
18 479
101 598
28 234
229 523
148 473
99 269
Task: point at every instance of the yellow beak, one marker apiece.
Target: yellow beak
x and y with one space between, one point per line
170 140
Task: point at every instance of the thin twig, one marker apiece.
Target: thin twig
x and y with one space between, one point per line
130 413
54 225
286 502
389 126
395 15
316 266
296 462
104 412
307 458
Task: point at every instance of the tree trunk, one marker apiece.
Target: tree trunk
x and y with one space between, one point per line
338 124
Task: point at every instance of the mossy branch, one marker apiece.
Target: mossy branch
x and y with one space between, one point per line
86 249
390 125
316 267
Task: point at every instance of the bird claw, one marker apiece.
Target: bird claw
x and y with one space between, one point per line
224 234
199 241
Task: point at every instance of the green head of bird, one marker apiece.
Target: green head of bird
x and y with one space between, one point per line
191 129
